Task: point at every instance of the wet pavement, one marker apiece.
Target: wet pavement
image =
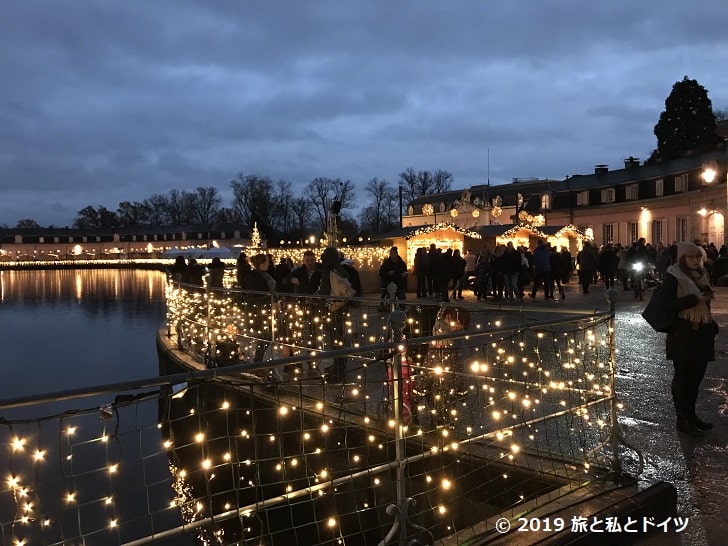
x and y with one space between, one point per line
697 468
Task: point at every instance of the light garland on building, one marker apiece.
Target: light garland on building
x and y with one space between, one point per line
442 226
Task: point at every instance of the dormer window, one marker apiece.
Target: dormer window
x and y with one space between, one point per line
608 195
632 192
545 201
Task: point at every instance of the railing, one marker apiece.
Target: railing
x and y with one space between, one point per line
448 417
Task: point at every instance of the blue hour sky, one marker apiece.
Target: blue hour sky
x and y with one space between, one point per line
102 102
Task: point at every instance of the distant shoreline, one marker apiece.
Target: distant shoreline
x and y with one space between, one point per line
64 265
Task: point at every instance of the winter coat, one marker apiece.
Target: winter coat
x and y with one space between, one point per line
686 341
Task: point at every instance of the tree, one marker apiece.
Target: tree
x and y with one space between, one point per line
181 207
87 218
157 207
27 223
254 201
322 192
414 184
687 123
132 214
382 212
206 204
301 212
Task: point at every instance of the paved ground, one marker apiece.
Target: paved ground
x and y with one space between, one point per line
697 468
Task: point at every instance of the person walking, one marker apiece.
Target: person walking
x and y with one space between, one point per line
394 270
511 267
542 271
458 271
587 261
608 262
433 263
691 342
420 268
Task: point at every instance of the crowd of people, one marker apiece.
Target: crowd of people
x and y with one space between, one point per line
268 286
503 273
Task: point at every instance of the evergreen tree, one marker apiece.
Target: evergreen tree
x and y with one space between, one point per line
687 123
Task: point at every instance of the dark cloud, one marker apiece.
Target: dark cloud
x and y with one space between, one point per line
103 102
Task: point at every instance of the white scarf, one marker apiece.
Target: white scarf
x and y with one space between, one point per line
698 314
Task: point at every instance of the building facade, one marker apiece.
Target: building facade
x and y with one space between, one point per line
683 199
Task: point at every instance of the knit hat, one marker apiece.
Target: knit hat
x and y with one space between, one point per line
684 247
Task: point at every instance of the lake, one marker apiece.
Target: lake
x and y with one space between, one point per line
77 328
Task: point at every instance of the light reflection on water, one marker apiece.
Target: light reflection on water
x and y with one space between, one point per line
76 328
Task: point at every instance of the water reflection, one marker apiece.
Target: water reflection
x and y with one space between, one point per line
66 329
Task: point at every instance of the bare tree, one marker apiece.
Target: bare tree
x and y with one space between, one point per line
254 201
181 207
382 212
207 202
282 210
414 184
26 223
132 214
157 207
301 212
322 192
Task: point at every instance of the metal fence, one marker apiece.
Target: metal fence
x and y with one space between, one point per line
448 416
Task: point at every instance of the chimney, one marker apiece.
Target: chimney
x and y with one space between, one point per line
631 162
601 169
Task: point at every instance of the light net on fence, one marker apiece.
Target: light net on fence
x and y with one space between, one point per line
500 412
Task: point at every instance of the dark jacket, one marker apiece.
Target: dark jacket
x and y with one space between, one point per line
393 270
683 342
307 283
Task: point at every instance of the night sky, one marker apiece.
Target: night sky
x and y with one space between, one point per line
102 102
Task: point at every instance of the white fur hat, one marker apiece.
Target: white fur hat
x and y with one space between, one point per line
683 247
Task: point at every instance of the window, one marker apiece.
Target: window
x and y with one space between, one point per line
632 192
658 231
659 187
608 233
633 230
682 229
608 195
681 183
546 201
582 198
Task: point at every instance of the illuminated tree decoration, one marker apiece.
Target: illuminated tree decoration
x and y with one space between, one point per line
496 211
428 209
255 237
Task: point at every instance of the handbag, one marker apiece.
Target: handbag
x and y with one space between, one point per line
658 313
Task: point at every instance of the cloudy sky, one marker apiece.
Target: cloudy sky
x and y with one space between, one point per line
103 101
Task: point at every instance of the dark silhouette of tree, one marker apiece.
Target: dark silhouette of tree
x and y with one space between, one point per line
96 218
322 192
206 204
27 223
157 207
132 214
254 201
687 123
382 212
417 183
181 207
301 213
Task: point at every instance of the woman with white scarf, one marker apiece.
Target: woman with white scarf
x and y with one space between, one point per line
691 342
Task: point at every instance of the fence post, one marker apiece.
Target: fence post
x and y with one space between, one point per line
398 320
614 423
